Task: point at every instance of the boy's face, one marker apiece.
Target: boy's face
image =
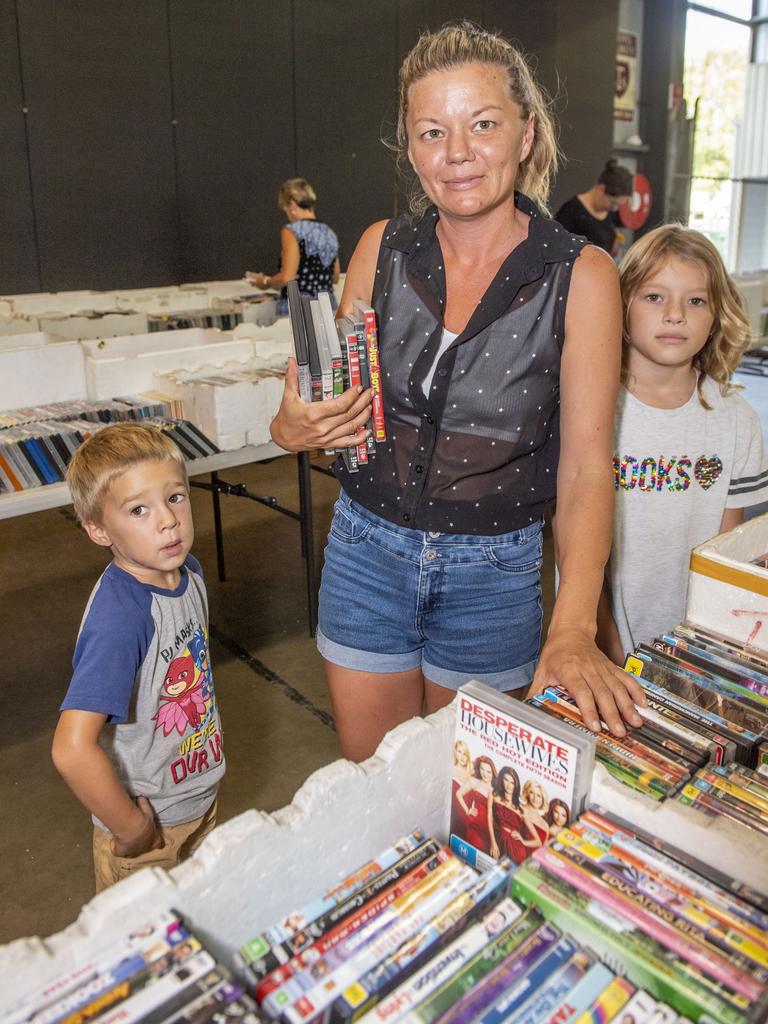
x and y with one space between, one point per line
146 519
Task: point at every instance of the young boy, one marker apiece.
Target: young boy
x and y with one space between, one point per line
141 661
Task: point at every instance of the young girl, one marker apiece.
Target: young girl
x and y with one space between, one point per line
688 449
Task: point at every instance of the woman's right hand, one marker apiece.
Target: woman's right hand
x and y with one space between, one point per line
301 426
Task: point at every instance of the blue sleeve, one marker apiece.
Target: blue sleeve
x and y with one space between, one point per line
194 566
113 642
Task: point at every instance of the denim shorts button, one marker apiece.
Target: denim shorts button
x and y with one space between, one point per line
433 534
430 555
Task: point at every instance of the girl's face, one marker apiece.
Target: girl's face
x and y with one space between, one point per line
671 316
466 137
486 774
461 755
509 786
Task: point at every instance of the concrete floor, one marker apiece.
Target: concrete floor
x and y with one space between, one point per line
269 680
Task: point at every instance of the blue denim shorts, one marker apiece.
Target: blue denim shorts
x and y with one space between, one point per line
457 606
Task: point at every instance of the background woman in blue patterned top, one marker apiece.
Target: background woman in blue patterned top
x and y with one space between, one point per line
309 249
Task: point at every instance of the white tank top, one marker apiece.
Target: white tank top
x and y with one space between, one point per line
445 341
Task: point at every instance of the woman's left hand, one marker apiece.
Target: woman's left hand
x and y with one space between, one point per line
571 659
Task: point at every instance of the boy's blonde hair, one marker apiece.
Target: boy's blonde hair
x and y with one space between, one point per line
730 335
109 453
460 43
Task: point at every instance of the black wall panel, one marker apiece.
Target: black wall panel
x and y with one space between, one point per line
159 131
232 70
345 101
585 56
17 228
100 141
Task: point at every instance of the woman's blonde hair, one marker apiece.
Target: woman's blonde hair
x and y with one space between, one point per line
730 335
109 453
459 43
300 191
460 745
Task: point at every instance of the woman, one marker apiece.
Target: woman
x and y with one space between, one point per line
309 249
494 325
533 803
462 772
506 819
474 799
557 815
590 213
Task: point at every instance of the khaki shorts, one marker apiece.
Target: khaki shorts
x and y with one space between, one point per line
179 842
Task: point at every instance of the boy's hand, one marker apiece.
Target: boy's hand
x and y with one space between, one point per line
146 836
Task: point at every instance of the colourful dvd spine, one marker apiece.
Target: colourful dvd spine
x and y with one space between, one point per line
372 347
371 914
507 975
681 866
424 902
608 1003
353 362
302 927
666 900
347 928
626 950
542 989
488 889
143 1007
581 996
628 902
715 905
443 965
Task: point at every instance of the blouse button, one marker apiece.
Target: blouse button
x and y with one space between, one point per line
429 419
442 372
406 517
419 469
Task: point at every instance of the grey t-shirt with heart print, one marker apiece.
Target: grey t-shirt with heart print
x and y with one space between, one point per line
675 472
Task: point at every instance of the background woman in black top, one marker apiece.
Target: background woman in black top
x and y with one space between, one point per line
495 324
591 213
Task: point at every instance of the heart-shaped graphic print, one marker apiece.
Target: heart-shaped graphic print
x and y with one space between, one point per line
707 470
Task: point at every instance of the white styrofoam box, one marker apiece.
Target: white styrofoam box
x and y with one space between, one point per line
19 325
231 412
32 339
256 868
121 366
102 325
41 374
727 592
61 303
262 312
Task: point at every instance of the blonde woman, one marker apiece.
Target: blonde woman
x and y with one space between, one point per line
534 805
495 322
462 772
309 248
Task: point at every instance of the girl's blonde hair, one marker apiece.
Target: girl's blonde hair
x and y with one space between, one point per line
300 191
730 335
459 43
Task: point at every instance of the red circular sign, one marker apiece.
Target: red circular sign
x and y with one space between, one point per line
635 213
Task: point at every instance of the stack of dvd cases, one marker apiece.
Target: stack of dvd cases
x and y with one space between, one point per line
656 759
334 355
415 935
36 444
706 683
733 791
672 925
160 974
